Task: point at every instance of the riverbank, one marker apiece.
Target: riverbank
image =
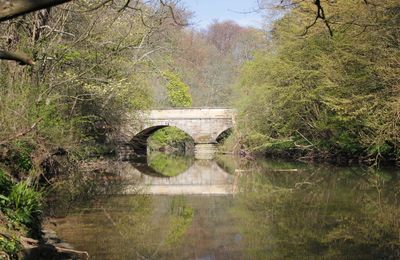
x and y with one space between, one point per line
288 150
26 201
50 246
338 158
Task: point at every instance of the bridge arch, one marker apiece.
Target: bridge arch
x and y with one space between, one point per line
140 141
204 125
222 135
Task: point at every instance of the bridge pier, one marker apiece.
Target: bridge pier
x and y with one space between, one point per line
132 150
124 152
205 151
202 151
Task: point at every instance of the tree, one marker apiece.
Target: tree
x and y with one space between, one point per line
10 10
178 92
223 35
322 94
209 71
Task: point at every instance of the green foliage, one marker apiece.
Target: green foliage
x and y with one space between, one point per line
53 124
20 211
22 156
24 205
5 183
178 92
82 87
20 203
10 246
168 136
329 95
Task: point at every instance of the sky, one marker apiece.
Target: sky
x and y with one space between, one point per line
205 11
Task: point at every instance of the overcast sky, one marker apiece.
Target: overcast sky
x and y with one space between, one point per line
205 11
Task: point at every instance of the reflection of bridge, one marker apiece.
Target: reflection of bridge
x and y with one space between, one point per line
204 125
203 177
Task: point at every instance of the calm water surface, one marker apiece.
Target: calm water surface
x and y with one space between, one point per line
232 209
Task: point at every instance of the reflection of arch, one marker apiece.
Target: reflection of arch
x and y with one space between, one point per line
223 135
202 177
139 141
140 163
145 166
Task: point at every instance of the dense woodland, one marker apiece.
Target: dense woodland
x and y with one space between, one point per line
320 82
326 87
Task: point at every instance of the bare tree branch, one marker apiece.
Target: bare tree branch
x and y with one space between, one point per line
320 15
172 11
11 9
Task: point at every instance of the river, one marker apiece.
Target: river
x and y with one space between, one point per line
180 208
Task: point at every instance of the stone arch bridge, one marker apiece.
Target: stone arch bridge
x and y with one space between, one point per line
204 125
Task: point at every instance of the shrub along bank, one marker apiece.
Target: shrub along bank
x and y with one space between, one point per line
20 213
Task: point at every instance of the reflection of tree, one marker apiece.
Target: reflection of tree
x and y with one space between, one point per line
324 215
169 165
181 218
228 163
134 227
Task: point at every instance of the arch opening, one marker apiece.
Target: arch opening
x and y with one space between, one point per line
139 142
163 151
222 136
162 138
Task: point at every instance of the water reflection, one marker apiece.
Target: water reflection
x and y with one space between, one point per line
169 165
158 164
201 177
154 227
323 212
270 210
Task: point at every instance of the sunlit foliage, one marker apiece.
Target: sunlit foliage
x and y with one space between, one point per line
327 96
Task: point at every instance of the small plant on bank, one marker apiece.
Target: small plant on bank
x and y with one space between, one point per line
25 205
9 247
20 211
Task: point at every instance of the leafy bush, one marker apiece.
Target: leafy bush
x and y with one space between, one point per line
24 205
19 202
169 136
22 155
5 184
9 246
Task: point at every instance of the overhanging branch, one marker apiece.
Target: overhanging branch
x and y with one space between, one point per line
320 15
13 8
21 58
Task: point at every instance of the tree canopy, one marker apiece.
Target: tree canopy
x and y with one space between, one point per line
328 95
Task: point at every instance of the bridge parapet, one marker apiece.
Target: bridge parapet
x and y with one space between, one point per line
190 113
